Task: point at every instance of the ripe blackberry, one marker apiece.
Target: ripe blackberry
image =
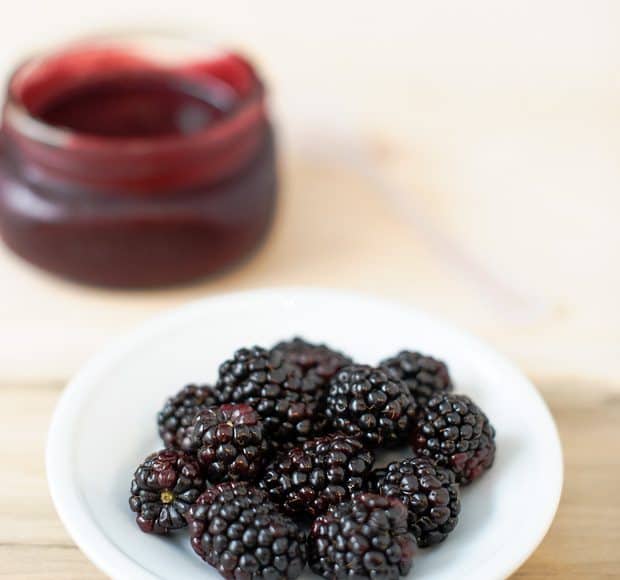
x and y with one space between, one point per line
322 472
235 528
365 402
229 442
424 375
453 431
163 488
366 537
290 405
179 412
429 492
314 359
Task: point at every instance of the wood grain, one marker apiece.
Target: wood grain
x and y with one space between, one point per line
582 543
583 540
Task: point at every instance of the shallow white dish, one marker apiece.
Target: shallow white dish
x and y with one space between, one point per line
104 425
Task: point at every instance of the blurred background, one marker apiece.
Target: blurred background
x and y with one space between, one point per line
495 125
458 156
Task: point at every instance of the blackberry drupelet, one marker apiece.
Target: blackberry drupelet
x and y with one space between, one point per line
314 359
229 442
322 472
290 405
163 488
235 528
453 431
365 402
428 491
179 412
366 537
424 375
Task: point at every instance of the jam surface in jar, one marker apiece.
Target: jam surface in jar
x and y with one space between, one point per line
120 166
143 105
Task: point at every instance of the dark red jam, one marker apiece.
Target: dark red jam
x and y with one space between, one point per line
143 105
121 167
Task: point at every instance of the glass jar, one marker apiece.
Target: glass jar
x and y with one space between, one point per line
135 161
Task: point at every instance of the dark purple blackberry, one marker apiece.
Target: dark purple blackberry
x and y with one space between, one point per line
430 494
163 488
424 375
229 442
179 412
365 402
453 431
322 472
235 528
365 537
290 405
314 359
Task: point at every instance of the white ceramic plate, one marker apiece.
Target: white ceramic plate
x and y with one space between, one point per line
104 425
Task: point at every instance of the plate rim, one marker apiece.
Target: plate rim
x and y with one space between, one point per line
66 496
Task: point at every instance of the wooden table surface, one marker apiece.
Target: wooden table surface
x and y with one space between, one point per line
476 177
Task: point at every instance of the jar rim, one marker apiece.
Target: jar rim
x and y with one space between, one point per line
24 122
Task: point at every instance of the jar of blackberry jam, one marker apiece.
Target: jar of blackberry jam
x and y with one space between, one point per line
135 161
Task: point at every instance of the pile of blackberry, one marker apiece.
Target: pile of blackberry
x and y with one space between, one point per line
271 468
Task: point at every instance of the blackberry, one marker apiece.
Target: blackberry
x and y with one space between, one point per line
317 360
290 405
429 492
179 412
229 442
365 402
453 431
235 528
163 488
322 472
366 537
424 375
